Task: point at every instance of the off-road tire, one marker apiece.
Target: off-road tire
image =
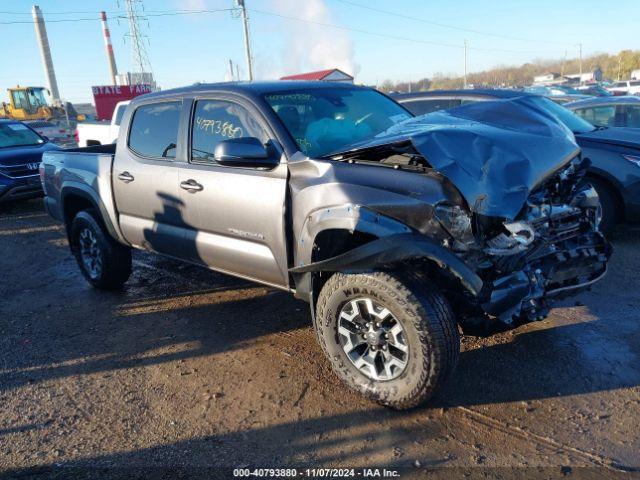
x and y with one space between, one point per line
424 314
116 258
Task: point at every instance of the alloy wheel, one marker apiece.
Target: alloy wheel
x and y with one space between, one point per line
373 339
90 253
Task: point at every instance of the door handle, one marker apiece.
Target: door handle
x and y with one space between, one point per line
191 186
126 177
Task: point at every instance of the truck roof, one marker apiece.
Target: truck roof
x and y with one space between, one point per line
245 88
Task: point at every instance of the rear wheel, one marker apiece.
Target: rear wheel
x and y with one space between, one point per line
389 336
105 263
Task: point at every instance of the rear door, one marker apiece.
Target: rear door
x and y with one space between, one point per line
236 215
145 179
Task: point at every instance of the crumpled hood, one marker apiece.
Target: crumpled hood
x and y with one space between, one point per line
494 152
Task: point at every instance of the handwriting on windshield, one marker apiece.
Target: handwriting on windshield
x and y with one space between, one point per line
289 97
218 127
304 144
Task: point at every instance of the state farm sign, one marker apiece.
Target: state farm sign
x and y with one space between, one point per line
107 96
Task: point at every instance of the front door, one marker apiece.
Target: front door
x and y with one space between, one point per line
236 215
146 179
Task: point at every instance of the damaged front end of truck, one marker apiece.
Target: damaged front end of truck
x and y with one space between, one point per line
488 199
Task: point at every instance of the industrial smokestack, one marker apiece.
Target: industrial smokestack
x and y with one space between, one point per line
107 44
45 53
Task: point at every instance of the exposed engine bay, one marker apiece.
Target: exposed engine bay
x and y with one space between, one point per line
552 248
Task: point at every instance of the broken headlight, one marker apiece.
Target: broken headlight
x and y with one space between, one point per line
515 239
457 222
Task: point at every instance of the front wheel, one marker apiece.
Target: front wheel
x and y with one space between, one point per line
391 337
105 263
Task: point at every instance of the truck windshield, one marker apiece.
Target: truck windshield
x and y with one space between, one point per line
326 120
18 135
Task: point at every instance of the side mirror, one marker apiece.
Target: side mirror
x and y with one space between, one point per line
244 152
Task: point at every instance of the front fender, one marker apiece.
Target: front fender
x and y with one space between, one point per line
387 251
345 217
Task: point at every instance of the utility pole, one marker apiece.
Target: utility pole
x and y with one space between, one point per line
564 60
231 70
619 65
465 63
580 46
247 47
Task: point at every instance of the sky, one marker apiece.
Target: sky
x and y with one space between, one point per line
373 40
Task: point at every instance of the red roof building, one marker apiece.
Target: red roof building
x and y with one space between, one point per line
332 75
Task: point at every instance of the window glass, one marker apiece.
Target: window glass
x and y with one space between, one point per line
327 120
634 83
154 130
469 101
217 120
119 112
17 135
422 107
20 99
36 98
633 116
599 116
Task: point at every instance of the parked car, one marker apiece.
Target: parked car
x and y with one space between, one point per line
101 132
614 153
393 228
594 91
625 87
564 99
57 134
21 150
560 94
550 90
619 111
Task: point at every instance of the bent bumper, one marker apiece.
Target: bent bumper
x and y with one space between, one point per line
555 271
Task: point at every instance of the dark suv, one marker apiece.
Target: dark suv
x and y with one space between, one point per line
21 150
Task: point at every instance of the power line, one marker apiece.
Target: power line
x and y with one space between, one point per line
384 35
160 13
120 15
444 25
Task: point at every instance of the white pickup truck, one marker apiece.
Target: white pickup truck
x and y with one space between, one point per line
101 133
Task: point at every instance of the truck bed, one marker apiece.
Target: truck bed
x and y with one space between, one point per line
86 169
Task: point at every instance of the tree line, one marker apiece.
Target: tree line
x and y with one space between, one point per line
614 67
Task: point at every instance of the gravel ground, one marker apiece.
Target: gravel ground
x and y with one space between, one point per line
188 370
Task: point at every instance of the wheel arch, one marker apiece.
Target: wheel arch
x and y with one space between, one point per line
75 198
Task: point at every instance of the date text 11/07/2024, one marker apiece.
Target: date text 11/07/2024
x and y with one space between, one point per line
316 472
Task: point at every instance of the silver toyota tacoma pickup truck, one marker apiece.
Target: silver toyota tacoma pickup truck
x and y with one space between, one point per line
398 230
